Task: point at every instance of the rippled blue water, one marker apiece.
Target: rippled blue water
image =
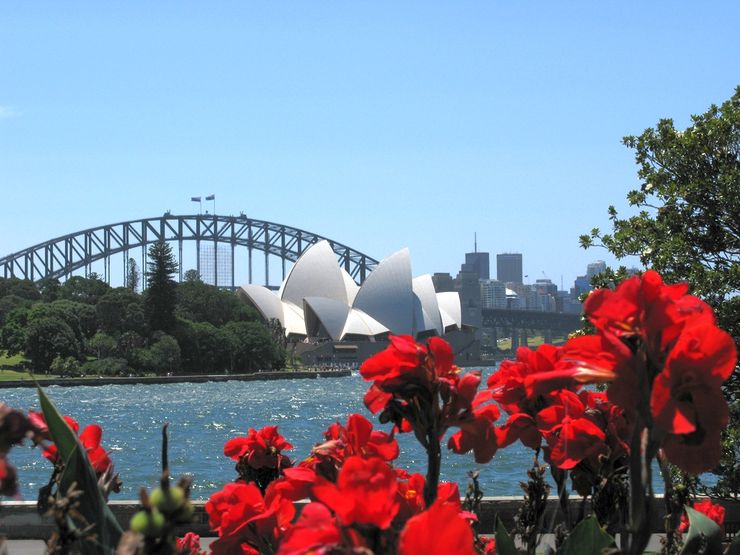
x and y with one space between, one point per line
203 417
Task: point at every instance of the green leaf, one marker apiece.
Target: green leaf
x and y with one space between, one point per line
701 525
504 543
587 538
77 469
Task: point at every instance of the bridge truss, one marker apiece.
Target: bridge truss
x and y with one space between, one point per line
60 257
518 324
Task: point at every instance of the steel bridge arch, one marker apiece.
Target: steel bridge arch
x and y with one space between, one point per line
59 257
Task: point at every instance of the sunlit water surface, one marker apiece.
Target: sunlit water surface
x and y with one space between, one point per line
203 417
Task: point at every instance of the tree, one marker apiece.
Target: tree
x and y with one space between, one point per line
191 275
201 302
120 310
47 338
252 348
132 275
161 297
102 344
688 227
84 290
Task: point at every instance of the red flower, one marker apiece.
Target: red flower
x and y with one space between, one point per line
411 495
687 401
706 507
189 544
315 532
439 531
477 433
413 382
365 493
260 449
245 521
89 438
401 361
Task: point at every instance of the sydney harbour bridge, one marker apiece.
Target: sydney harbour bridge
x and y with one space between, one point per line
87 250
79 251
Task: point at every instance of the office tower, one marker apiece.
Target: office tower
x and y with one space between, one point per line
215 264
477 262
509 267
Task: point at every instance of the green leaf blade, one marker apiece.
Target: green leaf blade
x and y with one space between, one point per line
77 469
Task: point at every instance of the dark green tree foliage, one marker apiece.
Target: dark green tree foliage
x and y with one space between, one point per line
688 227
102 345
84 290
120 310
200 302
13 333
22 288
50 289
252 348
49 337
205 349
9 304
162 356
161 298
132 275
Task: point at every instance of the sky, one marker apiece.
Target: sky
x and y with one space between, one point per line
380 125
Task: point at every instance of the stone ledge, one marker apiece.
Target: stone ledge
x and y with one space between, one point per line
19 519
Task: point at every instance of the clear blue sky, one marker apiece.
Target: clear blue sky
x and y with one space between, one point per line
378 124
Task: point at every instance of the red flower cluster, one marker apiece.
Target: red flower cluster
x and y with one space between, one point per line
666 343
359 504
358 438
189 544
89 438
715 512
260 449
664 356
413 383
245 521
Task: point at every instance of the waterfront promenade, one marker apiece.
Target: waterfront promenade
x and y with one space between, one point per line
194 378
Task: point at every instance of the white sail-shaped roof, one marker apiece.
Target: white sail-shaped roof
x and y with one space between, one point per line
426 313
319 297
387 295
359 323
327 313
265 301
315 274
450 310
350 286
294 322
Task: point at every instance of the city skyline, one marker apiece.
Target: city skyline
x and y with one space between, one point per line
381 126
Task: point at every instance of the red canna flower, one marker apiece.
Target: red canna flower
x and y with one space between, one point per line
260 449
438 531
245 521
687 401
418 388
316 531
365 493
89 438
715 512
189 544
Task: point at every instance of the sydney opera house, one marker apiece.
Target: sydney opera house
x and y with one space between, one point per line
319 300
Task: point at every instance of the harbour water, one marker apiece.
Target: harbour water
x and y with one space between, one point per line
203 417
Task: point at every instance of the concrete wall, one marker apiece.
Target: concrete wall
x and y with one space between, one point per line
20 520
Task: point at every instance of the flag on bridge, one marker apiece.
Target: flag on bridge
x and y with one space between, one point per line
195 199
211 197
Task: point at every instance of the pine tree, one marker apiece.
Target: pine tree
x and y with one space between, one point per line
132 275
160 294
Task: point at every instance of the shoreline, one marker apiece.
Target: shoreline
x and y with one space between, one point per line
193 378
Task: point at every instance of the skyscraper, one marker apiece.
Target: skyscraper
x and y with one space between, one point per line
477 262
509 267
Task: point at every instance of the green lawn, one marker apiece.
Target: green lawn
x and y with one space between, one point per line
12 368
